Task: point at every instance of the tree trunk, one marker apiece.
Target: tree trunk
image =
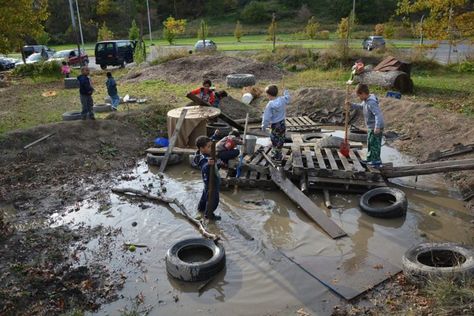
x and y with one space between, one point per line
397 80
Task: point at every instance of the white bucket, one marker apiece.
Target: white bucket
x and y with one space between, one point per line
247 98
250 142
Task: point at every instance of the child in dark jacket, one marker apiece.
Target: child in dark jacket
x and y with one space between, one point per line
226 147
85 91
112 91
203 160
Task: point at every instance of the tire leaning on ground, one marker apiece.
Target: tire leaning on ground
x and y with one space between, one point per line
224 129
312 137
240 80
100 108
72 116
195 259
357 136
396 199
438 260
155 160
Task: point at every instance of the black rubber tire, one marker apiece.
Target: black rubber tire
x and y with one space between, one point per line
223 128
71 83
101 108
155 160
312 137
357 136
195 271
72 116
398 208
103 67
418 265
240 80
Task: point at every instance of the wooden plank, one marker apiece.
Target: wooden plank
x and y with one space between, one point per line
310 120
267 151
355 161
309 208
297 138
309 159
345 163
300 122
297 160
175 150
289 122
172 141
319 157
323 180
428 168
38 141
330 158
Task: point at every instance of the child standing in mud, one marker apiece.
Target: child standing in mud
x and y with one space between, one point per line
373 120
205 163
274 115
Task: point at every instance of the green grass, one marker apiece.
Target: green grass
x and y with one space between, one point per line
451 298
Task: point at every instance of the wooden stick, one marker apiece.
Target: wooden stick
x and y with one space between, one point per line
169 201
38 140
242 148
212 181
428 168
164 162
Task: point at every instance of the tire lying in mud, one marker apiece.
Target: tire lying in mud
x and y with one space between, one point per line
331 142
224 129
438 260
72 116
240 80
357 136
195 259
155 160
312 137
100 108
395 203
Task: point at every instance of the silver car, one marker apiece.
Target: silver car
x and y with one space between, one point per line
373 42
210 46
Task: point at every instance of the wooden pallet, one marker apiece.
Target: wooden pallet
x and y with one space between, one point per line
301 124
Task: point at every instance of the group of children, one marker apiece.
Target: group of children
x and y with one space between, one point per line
273 117
86 90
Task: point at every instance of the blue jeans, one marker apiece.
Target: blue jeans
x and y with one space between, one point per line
115 100
227 155
203 201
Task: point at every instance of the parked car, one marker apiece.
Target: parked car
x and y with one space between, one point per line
114 53
27 50
32 59
71 56
209 46
6 64
373 42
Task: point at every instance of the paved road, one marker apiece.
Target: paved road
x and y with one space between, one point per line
93 66
458 53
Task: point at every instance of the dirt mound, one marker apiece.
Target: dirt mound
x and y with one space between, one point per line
76 147
237 110
195 68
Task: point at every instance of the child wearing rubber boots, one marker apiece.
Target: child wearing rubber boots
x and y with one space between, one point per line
274 116
205 163
373 120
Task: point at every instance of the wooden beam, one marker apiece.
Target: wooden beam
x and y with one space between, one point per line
38 140
427 168
174 150
309 208
172 141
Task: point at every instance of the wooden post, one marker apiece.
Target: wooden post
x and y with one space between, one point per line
327 199
173 140
427 168
212 181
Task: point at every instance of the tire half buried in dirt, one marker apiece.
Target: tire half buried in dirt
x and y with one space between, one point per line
72 116
240 80
312 137
100 108
155 160
384 202
195 259
438 260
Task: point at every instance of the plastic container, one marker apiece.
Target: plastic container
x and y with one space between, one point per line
247 98
250 143
161 142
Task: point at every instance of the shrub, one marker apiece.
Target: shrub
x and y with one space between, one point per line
49 69
172 28
324 35
379 29
134 32
104 33
238 32
311 29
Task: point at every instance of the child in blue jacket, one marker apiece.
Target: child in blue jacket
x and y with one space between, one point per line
203 160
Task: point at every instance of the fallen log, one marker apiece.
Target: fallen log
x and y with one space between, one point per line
397 80
175 150
389 171
161 198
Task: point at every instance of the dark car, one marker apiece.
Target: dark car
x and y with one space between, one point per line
71 56
373 42
114 53
44 50
6 64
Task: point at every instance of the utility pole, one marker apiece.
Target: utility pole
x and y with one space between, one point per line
274 30
421 29
73 20
149 20
450 37
80 26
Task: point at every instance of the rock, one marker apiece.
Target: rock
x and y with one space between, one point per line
134 224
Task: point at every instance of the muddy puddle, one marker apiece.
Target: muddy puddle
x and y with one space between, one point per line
256 225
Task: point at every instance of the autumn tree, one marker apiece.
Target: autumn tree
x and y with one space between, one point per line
311 29
21 19
238 32
343 28
379 29
134 32
104 33
172 28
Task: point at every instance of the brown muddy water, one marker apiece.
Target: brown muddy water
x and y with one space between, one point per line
255 225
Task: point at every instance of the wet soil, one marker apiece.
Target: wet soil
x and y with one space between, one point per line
195 68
